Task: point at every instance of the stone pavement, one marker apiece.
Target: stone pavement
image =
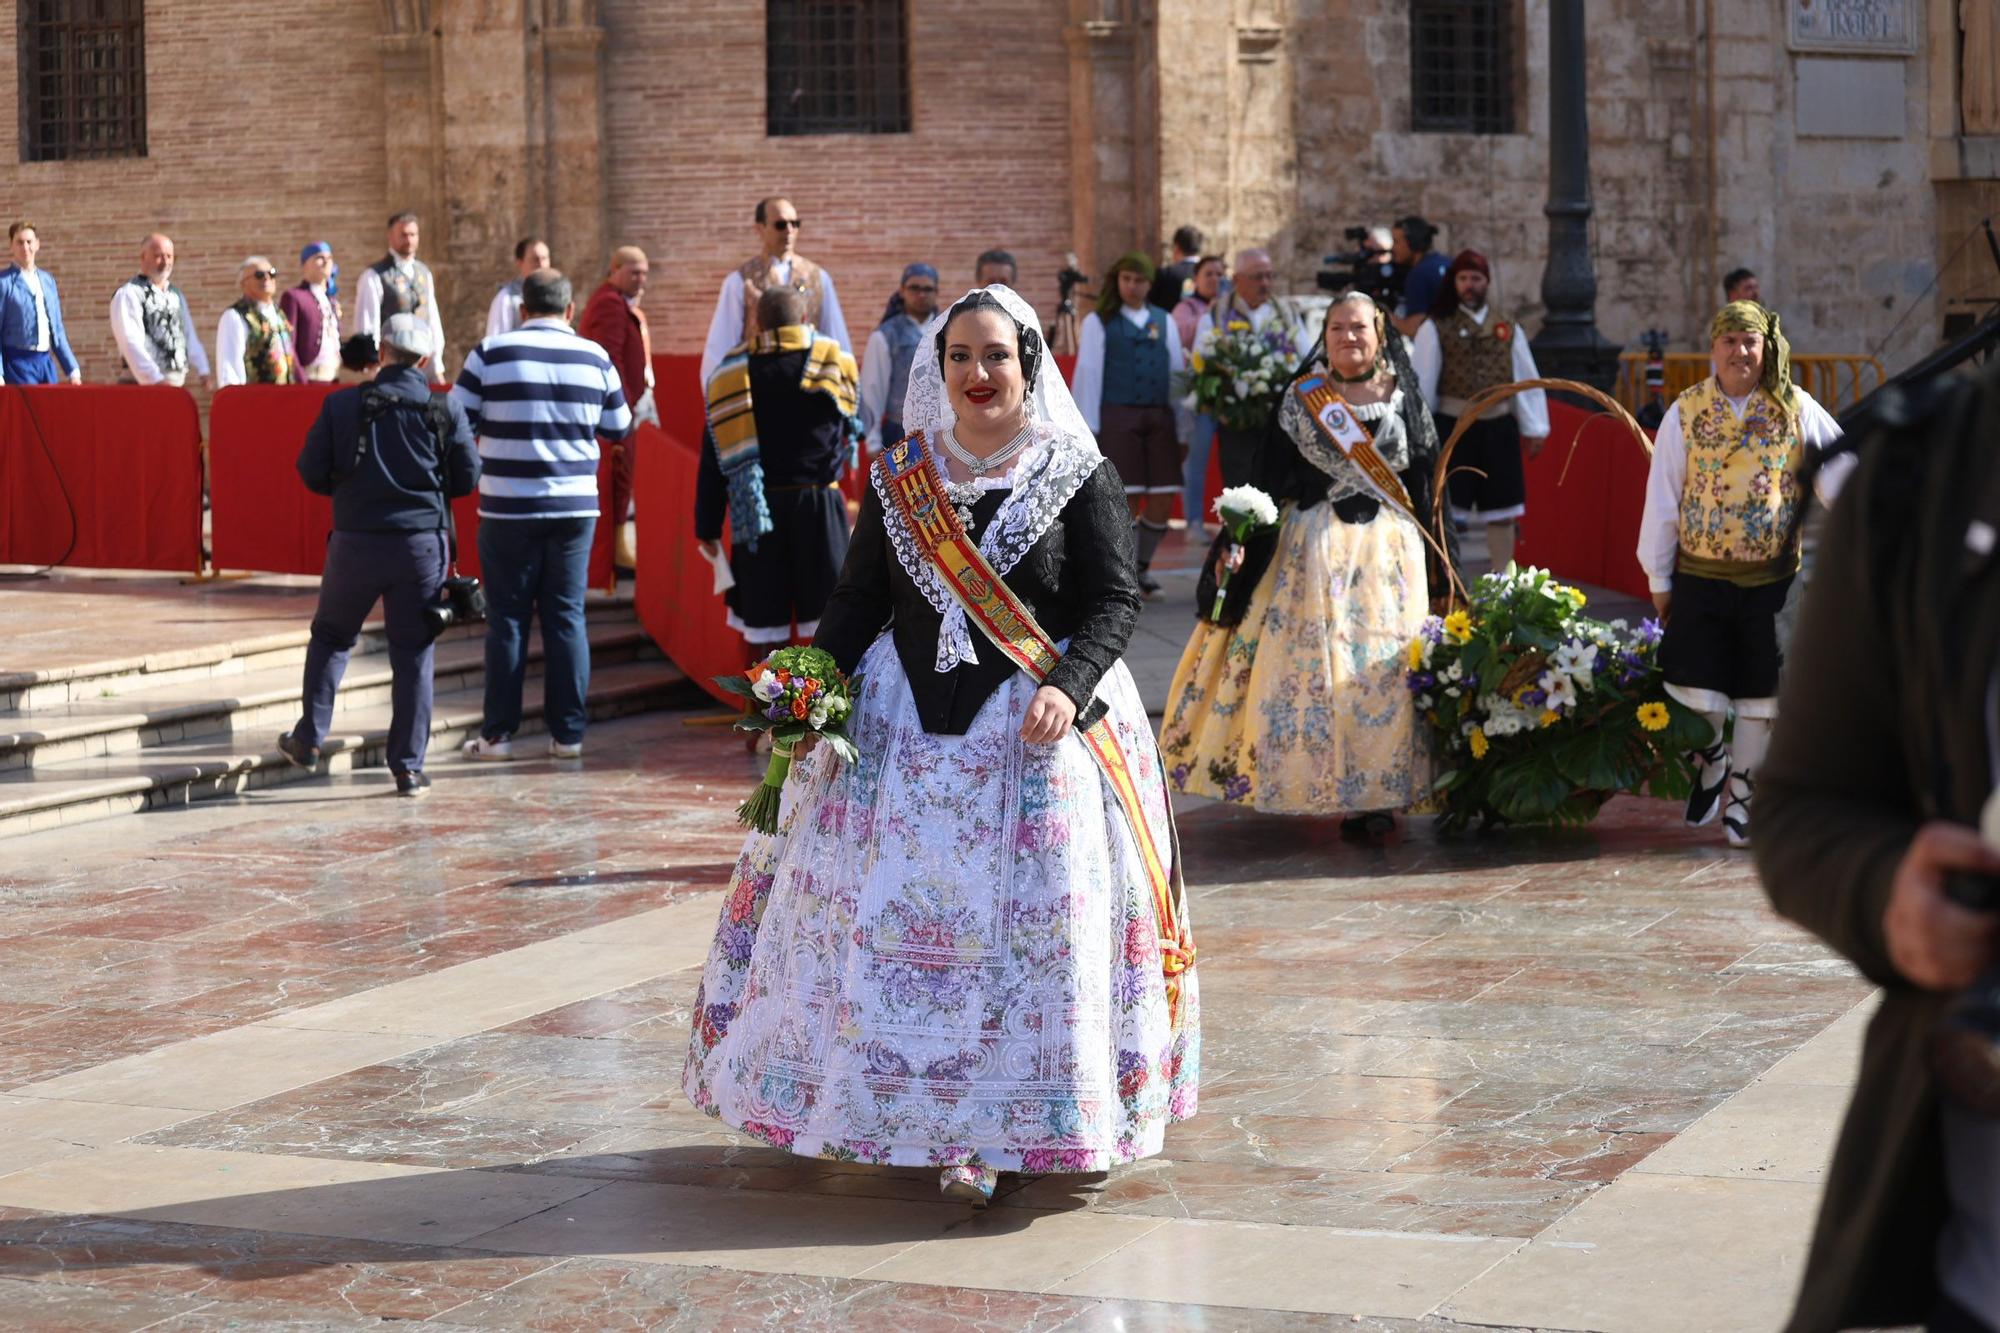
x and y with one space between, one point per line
320 1058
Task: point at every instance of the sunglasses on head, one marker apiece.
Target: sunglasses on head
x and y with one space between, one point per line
785 224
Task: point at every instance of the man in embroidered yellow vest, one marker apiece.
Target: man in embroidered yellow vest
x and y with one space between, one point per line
1460 352
253 340
779 408
1720 544
776 264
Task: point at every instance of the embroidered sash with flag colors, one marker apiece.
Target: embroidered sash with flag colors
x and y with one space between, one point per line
1335 421
917 493
733 423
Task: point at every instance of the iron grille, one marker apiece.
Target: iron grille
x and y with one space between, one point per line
836 67
1461 66
83 79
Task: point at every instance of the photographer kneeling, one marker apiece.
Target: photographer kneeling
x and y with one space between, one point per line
393 456
1883 770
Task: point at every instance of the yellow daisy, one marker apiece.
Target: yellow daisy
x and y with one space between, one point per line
1653 716
1550 717
1479 745
1575 595
1459 625
1197 361
1416 653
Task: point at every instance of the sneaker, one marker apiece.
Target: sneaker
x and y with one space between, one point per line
565 749
300 756
1736 810
1711 774
492 751
414 785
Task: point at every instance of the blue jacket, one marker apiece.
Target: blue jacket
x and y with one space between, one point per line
394 486
17 315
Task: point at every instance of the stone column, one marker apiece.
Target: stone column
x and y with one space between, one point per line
1569 345
1115 157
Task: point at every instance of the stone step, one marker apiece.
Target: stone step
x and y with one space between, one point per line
94 681
153 714
79 790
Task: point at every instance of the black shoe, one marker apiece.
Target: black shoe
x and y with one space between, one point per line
1711 775
1736 810
300 756
1149 586
413 785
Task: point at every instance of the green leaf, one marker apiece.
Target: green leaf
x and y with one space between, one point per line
1529 788
1598 758
736 683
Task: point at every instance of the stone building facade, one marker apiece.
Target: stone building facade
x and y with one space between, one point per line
1060 125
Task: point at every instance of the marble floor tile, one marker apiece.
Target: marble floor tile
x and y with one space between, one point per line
92 1124
1768 1131
1015 1249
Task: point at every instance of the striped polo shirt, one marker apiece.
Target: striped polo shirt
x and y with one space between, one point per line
539 398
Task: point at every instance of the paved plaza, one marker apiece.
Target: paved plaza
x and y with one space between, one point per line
317 1058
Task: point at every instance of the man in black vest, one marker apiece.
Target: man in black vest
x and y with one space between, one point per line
398 284
393 457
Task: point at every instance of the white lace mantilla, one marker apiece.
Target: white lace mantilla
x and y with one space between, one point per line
1048 476
1392 441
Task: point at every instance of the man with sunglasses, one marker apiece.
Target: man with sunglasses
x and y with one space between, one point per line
254 341
885 368
775 265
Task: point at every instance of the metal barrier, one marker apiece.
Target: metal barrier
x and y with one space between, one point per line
1834 381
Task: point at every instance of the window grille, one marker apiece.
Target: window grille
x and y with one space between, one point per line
836 67
83 79
1462 66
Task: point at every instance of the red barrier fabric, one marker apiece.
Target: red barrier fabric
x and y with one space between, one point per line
262 516
674 587
1583 507
129 459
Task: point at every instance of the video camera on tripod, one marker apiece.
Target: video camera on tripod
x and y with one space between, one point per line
1368 267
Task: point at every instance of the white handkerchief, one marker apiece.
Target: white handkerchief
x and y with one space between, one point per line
724 579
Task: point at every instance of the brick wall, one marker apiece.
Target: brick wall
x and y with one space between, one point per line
986 162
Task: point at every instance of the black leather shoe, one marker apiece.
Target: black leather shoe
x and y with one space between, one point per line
1711 775
412 784
300 756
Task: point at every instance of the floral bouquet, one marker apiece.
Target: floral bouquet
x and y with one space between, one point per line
1239 377
1540 714
793 693
1242 510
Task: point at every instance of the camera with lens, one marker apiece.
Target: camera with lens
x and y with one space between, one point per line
459 602
1067 281
1360 269
1966 1049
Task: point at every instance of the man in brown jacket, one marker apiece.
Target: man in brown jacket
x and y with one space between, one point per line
1879 767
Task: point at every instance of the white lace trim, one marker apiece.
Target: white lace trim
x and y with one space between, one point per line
1385 420
1046 479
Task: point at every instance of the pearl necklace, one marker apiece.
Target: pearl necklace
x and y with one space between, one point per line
992 460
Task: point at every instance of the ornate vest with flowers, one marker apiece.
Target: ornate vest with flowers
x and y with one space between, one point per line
1475 358
1742 488
160 318
759 278
267 353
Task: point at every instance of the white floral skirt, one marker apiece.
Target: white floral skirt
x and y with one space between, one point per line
947 954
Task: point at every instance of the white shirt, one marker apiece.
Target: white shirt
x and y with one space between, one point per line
128 326
1260 320
878 371
1088 386
328 356
34 277
368 296
504 315
725 330
232 336
1531 409
1660 526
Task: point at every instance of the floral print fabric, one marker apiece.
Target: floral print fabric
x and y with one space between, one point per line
947 953
1302 709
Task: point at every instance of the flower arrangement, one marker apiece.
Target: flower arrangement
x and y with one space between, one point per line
1242 510
1540 714
793 693
1237 378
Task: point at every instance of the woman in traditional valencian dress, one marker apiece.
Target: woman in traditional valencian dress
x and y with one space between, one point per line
964 951
1302 708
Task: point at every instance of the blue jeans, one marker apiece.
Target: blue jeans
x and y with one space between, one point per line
1194 472
531 565
404 570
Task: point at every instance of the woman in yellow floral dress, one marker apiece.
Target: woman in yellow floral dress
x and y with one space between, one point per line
1302 708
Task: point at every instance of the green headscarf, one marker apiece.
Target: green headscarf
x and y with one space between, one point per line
1108 299
1749 317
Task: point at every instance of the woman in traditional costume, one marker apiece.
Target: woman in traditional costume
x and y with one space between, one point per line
965 951
1302 708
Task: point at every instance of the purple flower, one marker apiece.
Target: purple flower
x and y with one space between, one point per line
1649 631
1534 698
1236 789
1432 629
1420 682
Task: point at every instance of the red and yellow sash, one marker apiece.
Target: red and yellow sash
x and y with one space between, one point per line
917 494
1335 421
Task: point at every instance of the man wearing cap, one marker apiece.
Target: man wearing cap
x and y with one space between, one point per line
315 315
614 320
254 343
392 456
400 283
1719 542
1463 350
152 324
32 339
885 366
